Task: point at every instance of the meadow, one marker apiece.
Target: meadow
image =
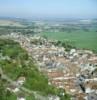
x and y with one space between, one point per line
80 38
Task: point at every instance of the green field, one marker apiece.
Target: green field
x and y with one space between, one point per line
80 39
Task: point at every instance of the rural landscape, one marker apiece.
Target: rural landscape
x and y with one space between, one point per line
45 55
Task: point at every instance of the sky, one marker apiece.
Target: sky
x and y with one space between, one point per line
49 8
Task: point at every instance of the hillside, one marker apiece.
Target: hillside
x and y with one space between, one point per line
15 63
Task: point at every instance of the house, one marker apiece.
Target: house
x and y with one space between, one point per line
92 96
89 90
72 51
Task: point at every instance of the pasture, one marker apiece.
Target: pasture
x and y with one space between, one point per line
80 39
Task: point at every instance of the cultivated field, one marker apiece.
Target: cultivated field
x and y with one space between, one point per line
80 39
10 23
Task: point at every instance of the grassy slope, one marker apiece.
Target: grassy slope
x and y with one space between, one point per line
12 68
34 79
80 39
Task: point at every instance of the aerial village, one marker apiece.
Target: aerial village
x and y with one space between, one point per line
74 71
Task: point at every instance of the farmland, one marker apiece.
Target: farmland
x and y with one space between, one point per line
80 39
4 22
80 33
